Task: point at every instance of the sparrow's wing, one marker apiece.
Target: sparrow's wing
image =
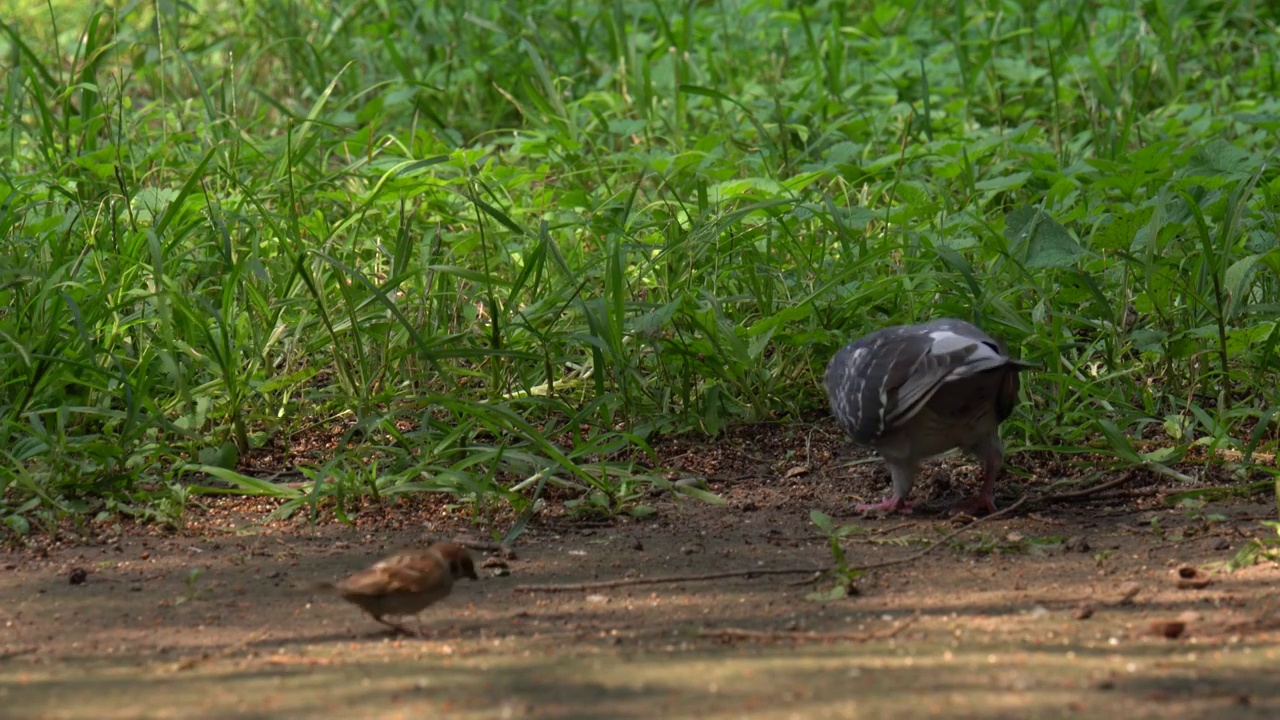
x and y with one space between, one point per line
412 573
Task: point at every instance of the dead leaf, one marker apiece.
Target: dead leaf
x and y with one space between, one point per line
1188 577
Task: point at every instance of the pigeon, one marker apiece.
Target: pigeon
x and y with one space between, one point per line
407 583
912 392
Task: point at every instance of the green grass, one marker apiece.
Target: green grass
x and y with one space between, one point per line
504 245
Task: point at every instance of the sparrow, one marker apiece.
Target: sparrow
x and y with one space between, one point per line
406 583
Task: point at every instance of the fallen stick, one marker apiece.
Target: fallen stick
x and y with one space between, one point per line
814 537
17 652
1087 492
502 549
945 539
192 661
664 579
799 635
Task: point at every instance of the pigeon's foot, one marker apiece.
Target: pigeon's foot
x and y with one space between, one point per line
977 506
891 504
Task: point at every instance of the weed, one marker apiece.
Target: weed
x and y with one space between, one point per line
503 247
1265 549
192 584
843 575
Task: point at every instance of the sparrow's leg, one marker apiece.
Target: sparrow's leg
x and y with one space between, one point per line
422 631
394 625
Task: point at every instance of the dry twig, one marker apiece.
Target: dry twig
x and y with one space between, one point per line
798 635
625 582
662 579
190 662
503 550
17 652
1087 492
945 539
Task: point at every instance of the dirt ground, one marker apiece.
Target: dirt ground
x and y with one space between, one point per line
1066 609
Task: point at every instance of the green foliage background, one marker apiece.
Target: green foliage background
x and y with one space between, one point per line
502 243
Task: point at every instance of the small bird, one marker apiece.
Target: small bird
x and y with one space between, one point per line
407 583
912 392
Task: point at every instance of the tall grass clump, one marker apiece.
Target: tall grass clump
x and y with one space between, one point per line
487 248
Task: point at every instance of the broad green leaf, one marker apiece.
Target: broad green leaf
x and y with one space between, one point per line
696 492
1003 183
1047 243
822 520
1238 281
242 484
1220 158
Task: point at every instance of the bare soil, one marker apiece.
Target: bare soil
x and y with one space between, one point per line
1066 609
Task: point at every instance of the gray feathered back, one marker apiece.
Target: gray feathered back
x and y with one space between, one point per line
879 382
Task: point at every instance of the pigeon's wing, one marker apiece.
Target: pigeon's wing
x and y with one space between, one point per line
916 365
407 573
881 381
857 397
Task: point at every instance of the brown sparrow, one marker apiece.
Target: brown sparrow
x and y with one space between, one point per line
407 583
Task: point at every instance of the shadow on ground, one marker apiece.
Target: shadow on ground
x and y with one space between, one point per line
1059 613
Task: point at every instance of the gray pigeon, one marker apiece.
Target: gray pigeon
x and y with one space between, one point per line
915 391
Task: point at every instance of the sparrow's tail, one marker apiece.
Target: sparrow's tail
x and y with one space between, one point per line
325 586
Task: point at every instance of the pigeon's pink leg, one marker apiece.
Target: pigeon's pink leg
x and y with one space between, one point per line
891 504
985 502
978 506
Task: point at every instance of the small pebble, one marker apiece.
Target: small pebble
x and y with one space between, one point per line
1170 629
1188 577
